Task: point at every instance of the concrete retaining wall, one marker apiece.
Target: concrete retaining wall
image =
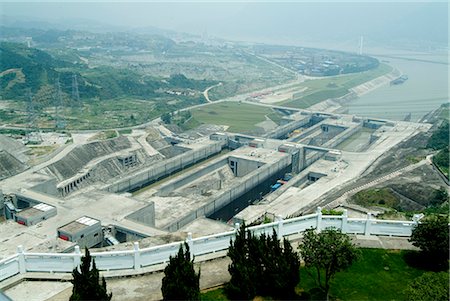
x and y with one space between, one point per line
144 215
222 199
164 168
167 188
343 136
283 130
307 132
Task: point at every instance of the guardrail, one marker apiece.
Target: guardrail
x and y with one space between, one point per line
137 258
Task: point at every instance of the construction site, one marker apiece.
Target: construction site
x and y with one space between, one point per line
155 186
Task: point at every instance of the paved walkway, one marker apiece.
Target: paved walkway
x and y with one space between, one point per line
148 287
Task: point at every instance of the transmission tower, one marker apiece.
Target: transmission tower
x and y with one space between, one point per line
75 92
33 135
29 40
60 122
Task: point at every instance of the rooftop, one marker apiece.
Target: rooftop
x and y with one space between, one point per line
78 225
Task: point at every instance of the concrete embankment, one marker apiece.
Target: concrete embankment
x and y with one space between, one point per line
334 105
375 83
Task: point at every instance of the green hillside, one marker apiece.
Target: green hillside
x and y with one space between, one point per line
41 69
110 97
36 66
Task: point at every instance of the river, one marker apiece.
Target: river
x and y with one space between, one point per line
425 89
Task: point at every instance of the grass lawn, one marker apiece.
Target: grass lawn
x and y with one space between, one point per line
333 87
376 197
212 295
377 275
240 117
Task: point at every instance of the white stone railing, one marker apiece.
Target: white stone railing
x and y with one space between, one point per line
137 259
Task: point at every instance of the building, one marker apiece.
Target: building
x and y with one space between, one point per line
33 215
85 231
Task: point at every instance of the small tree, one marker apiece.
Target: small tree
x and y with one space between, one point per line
429 286
86 282
180 281
329 252
431 236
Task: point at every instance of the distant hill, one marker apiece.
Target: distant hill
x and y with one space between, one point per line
37 67
23 68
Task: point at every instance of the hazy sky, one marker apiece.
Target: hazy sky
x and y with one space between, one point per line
294 21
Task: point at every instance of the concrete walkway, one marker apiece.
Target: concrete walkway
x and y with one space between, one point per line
148 287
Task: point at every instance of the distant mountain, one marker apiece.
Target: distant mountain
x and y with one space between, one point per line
36 25
64 24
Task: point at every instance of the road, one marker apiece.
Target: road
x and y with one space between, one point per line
205 93
275 64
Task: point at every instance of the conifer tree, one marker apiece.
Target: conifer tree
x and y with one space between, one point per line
242 268
86 282
261 266
180 281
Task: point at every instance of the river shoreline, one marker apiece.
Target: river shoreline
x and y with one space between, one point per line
336 105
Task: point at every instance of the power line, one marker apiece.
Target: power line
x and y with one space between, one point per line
75 92
33 135
60 122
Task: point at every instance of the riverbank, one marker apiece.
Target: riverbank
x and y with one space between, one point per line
336 105
375 83
424 91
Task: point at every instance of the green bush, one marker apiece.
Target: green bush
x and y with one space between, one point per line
431 236
429 286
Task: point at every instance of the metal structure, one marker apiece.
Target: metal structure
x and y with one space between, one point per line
75 93
60 122
33 135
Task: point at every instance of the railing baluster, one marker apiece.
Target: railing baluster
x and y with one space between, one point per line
213 243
